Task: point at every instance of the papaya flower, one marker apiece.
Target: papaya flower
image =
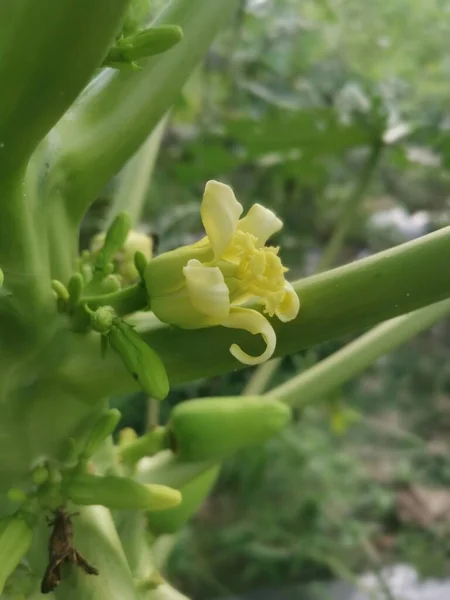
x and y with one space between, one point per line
209 283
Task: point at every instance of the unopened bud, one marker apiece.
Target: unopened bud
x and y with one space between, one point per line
121 493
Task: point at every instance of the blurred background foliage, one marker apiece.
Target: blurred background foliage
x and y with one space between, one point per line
291 107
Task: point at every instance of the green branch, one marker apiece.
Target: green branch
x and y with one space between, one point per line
119 109
345 300
330 373
48 52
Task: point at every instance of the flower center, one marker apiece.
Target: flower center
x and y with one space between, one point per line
258 272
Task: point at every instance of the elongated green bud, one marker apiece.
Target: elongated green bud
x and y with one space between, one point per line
114 240
217 427
2 278
15 541
147 445
141 361
60 290
120 493
143 44
193 495
140 262
75 288
106 424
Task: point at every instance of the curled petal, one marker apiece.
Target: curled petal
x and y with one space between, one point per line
260 222
289 306
220 214
253 322
207 289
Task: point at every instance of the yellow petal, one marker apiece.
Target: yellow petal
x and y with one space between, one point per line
253 322
260 222
220 214
289 306
207 289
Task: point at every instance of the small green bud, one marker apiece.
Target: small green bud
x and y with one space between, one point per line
75 288
127 435
121 493
2 278
40 475
60 289
15 541
103 318
143 44
106 424
214 428
140 263
110 284
141 361
86 273
114 240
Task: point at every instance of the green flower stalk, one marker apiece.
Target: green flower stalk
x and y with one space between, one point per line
120 493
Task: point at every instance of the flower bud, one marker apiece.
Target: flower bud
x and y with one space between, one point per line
75 288
103 318
213 428
141 361
106 424
143 44
120 493
113 240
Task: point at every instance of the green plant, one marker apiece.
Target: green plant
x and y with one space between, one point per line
75 330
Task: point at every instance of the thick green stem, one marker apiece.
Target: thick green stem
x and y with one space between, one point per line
135 178
341 301
115 114
23 248
48 52
315 383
